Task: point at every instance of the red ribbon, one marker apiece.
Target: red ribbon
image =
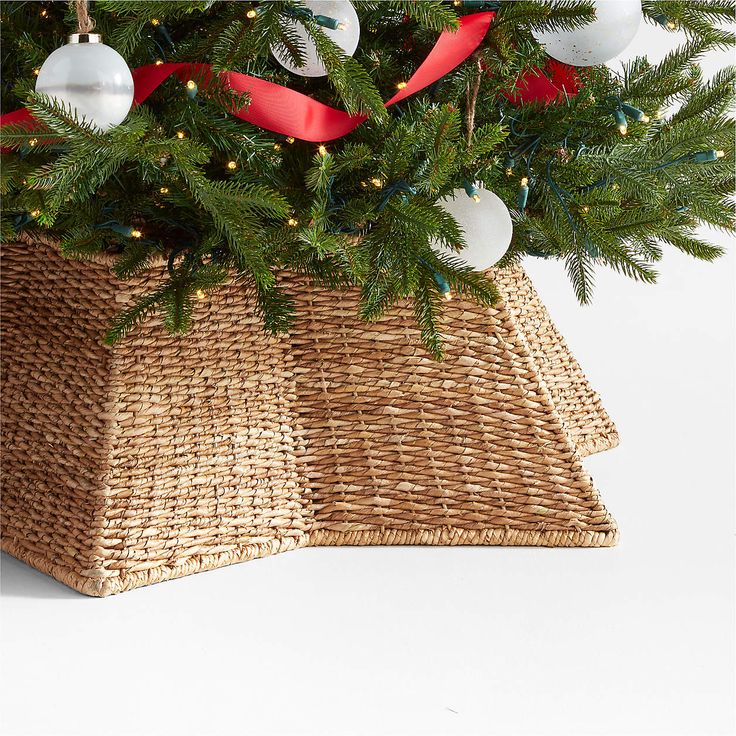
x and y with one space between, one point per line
546 85
290 113
283 110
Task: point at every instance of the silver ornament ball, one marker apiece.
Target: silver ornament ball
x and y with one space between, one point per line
90 77
615 25
487 225
346 36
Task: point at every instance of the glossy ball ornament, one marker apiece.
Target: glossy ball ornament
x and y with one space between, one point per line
487 224
346 36
615 25
90 77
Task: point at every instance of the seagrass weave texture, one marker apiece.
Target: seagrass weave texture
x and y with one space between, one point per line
164 456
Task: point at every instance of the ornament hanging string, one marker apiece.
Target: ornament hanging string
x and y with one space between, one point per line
85 24
290 113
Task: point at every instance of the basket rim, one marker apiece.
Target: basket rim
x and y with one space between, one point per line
36 237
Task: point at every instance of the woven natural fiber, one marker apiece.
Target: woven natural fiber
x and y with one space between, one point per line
164 456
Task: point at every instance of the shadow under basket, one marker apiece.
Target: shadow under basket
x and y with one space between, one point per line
163 456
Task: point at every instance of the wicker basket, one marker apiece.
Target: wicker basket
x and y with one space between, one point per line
165 456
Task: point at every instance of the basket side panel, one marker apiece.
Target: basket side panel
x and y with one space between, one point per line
402 449
202 466
55 400
157 458
575 400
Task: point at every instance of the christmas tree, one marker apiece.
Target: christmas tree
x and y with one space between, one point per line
594 165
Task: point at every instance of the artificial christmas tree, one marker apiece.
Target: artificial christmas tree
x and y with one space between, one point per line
238 195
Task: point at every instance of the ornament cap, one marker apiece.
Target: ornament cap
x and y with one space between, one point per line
84 38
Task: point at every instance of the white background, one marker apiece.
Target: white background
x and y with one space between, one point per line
638 639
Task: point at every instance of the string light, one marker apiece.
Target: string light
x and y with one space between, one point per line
441 282
621 124
326 22
180 134
290 140
585 209
158 62
635 113
252 13
476 4
664 21
35 213
321 20
322 150
155 22
292 222
36 72
44 13
134 233
276 146
706 156
523 194
400 85
471 191
200 294
164 190
33 142
377 183
232 165
364 184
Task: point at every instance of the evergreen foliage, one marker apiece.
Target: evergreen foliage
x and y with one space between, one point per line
229 200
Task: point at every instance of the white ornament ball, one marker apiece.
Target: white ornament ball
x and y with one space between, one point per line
487 224
615 25
91 77
346 37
